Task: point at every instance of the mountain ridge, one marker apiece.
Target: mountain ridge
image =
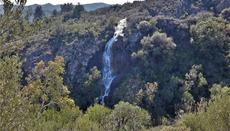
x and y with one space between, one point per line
48 7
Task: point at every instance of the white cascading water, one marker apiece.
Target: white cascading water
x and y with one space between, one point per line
108 75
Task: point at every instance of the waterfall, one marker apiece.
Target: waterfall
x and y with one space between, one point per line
108 75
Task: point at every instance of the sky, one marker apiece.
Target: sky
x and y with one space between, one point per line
30 2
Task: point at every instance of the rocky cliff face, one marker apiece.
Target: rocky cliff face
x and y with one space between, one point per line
77 55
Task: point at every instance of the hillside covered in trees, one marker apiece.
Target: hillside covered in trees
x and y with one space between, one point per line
172 67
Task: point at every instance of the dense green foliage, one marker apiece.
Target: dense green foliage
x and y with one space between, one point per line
216 116
14 109
128 117
172 67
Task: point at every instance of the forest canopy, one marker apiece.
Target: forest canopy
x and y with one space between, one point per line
171 67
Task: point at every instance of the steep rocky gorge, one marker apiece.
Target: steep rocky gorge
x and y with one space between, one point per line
84 51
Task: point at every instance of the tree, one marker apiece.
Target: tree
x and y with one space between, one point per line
7 6
218 91
38 13
89 90
147 99
53 108
156 56
58 120
157 46
211 39
146 96
195 87
21 2
146 27
94 75
14 110
12 28
196 83
188 102
217 115
98 114
67 7
46 87
78 9
127 117
158 43
210 34
215 118
84 124
55 13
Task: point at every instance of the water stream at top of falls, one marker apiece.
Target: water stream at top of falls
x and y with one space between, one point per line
108 75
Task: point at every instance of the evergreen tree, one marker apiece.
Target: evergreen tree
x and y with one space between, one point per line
38 13
55 13
78 9
7 6
67 7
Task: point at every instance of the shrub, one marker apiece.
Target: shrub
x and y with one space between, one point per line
128 117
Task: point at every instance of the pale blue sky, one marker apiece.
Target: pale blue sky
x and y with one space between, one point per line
29 2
